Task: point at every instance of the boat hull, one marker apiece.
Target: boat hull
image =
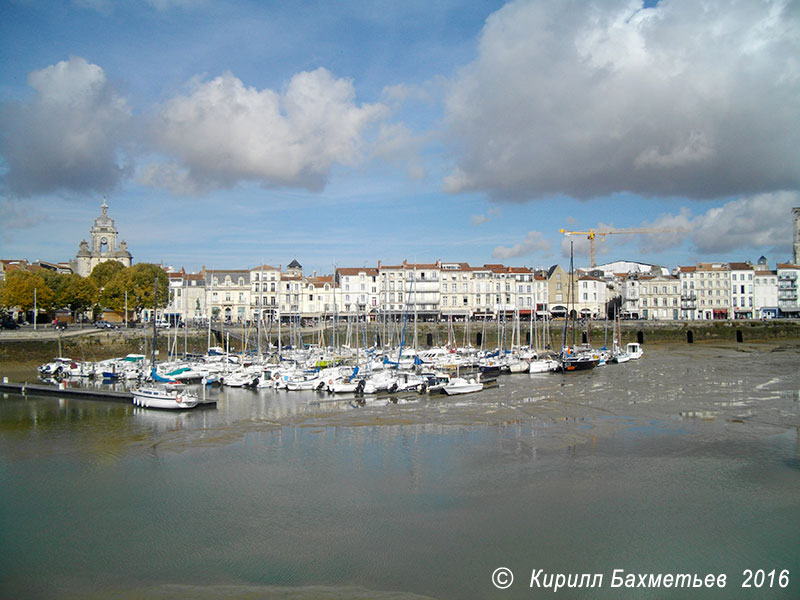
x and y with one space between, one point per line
164 399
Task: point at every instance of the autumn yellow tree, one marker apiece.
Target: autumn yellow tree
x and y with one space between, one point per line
19 290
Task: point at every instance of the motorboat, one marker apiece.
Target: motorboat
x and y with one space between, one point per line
167 396
634 350
459 385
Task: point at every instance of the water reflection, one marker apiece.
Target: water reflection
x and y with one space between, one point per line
282 494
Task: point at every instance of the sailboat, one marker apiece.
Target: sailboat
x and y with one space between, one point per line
571 358
171 396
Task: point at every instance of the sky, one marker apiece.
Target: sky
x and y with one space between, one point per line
232 134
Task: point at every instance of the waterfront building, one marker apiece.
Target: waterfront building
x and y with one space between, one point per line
562 291
318 297
660 297
391 298
484 298
457 299
592 296
742 300
358 292
264 293
541 297
765 291
187 298
102 247
686 277
289 297
629 291
713 290
229 292
788 302
422 289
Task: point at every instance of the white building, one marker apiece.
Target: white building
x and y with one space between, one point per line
660 297
788 275
765 291
265 282
742 290
188 298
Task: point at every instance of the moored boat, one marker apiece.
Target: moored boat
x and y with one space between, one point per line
167 396
459 385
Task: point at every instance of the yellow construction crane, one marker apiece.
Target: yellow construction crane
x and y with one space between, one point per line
592 234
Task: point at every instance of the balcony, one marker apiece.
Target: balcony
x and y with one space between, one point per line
688 296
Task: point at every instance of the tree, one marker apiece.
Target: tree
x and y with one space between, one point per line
77 293
137 281
105 272
18 291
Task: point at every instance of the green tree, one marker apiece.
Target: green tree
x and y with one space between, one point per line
77 293
105 272
18 291
138 282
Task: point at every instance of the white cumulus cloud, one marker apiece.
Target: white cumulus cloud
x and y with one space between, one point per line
760 221
533 242
685 98
223 132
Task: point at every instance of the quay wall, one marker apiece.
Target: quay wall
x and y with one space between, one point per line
89 344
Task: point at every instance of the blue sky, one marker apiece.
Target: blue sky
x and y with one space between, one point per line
230 134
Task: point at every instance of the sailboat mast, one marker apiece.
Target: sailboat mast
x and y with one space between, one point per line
155 309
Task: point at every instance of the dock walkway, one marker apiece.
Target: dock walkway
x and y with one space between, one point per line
70 392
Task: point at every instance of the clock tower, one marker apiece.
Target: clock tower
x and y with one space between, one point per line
103 245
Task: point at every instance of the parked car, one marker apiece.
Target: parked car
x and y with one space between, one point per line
9 325
104 325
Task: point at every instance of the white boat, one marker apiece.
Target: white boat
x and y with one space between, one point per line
167 396
459 385
543 365
634 350
622 357
519 366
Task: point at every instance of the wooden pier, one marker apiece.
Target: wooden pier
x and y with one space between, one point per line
38 389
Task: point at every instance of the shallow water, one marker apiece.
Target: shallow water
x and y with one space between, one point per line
687 461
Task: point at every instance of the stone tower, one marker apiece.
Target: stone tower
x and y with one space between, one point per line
102 247
796 222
